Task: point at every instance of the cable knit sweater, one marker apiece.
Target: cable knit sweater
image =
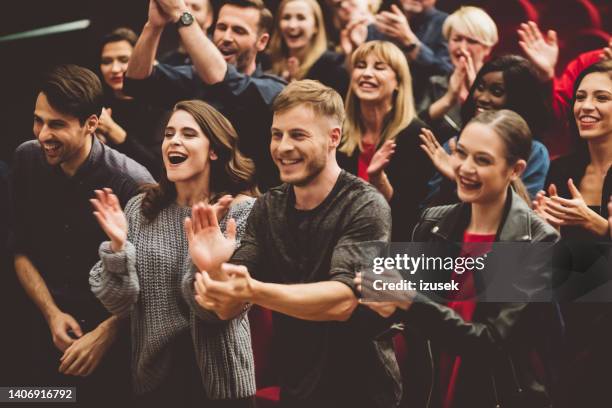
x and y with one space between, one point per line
151 280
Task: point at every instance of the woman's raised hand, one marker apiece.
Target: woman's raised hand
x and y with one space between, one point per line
381 159
457 84
208 247
438 156
111 218
540 206
542 51
576 212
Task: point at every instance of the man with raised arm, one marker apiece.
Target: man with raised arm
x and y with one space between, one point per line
224 71
56 238
297 258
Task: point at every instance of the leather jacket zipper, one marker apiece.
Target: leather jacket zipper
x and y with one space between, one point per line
494 384
431 361
516 382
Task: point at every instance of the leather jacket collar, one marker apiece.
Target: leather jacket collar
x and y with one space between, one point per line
516 224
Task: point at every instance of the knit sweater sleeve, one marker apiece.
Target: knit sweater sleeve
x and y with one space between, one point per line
114 280
240 213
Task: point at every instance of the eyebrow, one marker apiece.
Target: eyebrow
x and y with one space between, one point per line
273 129
462 147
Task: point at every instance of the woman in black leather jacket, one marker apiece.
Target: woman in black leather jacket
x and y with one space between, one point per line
476 353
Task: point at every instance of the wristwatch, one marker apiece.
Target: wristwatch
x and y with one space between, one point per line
186 19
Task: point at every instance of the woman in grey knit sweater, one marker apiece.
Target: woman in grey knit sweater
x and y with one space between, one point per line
182 354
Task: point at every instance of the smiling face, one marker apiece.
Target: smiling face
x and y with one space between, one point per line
301 144
64 141
186 150
297 24
460 43
593 106
373 80
490 92
113 63
481 170
237 36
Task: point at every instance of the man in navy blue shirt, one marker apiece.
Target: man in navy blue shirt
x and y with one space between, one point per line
224 71
56 237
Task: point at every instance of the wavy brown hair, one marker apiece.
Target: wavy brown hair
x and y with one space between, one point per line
232 172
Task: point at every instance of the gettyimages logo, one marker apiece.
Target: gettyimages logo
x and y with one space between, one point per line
422 263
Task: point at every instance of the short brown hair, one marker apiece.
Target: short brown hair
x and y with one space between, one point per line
119 34
73 90
322 99
266 21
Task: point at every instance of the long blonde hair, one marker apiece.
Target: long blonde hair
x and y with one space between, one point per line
278 49
403 111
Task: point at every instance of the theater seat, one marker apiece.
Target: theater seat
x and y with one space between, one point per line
570 16
508 15
582 41
261 338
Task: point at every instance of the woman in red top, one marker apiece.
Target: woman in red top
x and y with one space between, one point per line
381 141
480 354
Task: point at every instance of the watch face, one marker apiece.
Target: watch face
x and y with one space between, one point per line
186 19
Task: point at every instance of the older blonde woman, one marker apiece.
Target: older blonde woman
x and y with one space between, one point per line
381 132
298 48
471 34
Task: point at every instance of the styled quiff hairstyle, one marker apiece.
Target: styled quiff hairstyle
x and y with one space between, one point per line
74 91
473 22
322 99
318 44
231 173
403 110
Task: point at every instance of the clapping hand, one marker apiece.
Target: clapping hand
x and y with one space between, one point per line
540 204
157 16
439 157
293 67
381 159
226 297
109 128
353 35
573 212
394 24
208 247
111 218
542 51
462 78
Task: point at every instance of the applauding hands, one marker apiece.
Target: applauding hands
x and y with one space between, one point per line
559 211
542 51
439 157
111 218
208 247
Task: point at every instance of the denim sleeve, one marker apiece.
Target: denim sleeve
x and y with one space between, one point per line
534 176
